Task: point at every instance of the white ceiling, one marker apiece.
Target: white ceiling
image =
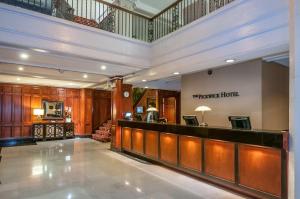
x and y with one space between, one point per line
186 51
148 7
152 7
10 73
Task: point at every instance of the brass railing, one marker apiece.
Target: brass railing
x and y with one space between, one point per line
112 18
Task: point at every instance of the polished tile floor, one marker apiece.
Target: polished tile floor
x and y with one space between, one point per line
86 169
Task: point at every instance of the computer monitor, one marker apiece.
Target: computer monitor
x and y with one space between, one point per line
128 116
240 122
191 120
139 109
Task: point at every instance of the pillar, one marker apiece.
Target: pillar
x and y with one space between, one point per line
294 153
121 104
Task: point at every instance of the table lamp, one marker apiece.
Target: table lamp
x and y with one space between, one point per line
38 113
152 114
202 109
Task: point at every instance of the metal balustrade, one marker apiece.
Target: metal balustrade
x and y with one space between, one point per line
115 19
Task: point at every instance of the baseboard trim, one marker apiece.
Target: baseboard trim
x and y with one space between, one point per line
83 136
22 141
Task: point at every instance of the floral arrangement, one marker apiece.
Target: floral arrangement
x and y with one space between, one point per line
68 113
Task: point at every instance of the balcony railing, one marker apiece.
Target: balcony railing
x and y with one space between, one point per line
112 18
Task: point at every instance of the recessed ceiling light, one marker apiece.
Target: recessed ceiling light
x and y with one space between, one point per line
18 79
144 80
85 76
20 68
103 67
176 73
230 61
40 77
40 50
24 56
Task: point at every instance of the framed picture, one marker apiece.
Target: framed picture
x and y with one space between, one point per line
54 110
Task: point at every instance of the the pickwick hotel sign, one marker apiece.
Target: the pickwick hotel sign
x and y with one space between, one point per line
216 95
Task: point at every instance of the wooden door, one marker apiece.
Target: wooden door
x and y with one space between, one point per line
169 109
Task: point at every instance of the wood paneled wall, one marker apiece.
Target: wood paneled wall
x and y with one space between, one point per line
101 108
163 101
18 101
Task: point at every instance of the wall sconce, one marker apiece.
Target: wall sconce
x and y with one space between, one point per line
202 109
38 113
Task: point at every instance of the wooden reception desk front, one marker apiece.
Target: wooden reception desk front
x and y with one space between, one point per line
250 162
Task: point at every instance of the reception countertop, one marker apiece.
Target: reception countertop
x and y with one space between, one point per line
276 139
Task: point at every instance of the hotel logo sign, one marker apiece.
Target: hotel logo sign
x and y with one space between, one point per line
216 95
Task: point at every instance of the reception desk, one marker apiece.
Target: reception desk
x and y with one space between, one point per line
250 162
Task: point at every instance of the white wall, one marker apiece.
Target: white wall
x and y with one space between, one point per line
263 90
244 78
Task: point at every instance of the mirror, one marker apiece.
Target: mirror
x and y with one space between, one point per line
53 110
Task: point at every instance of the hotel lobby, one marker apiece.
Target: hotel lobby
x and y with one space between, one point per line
149 99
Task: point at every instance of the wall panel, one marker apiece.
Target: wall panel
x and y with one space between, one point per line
190 153
219 159
168 148
18 101
265 163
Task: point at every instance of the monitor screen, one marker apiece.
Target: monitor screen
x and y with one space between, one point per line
240 122
139 109
127 115
191 120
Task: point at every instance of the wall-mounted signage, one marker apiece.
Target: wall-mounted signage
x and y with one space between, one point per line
216 95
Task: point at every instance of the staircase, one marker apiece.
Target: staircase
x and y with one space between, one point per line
104 132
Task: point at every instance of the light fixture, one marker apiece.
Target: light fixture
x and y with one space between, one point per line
138 190
146 87
144 80
85 76
229 61
103 67
176 73
20 68
40 50
202 109
18 78
68 158
71 84
24 56
38 112
127 183
39 77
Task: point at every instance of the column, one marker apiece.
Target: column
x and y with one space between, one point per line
121 103
294 154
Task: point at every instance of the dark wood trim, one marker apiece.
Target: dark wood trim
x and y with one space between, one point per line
10 142
83 136
252 137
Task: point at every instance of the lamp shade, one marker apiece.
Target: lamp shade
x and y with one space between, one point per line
38 111
202 108
152 109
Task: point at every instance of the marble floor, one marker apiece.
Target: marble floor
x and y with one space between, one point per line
86 169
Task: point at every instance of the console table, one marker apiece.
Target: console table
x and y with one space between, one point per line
51 130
